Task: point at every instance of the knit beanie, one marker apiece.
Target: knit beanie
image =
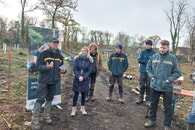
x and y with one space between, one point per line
119 46
149 42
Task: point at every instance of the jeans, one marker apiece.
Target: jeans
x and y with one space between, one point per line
45 91
167 102
144 86
75 98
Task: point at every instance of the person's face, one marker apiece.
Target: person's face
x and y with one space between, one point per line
148 46
118 50
163 49
92 48
54 45
84 52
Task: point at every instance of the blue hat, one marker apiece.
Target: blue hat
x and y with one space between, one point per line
119 46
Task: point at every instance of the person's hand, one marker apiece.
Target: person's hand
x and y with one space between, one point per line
48 66
152 78
167 81
80 78
62 70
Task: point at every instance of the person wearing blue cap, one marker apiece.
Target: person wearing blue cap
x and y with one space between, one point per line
117 64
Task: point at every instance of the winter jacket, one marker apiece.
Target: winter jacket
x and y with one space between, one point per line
163 67
82 67
143 59
118 64
97 62
52 75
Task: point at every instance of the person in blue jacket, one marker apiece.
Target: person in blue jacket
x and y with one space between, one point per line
117 64
82 70
143 59
162 68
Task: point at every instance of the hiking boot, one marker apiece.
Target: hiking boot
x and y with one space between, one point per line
121 100
139 101
167 128
149 124
190 126
73 112
108 98
83 110
47 110
147 103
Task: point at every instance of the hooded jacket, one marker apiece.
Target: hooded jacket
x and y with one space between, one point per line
163 67
52 75
118 64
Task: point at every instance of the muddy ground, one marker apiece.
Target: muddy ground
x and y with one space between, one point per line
102 115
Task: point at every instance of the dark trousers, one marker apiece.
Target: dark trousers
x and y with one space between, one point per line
45 92
144 85
92 78
113 79
75 98
167 102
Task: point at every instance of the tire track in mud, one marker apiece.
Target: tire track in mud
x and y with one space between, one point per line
102 115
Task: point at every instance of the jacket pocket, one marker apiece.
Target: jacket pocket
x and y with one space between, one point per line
166 85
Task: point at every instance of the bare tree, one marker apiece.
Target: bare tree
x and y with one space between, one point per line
25 7
123 39
176 18
155 39
191 32
53 8
108 37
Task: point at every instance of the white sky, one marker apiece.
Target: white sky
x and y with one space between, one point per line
142 17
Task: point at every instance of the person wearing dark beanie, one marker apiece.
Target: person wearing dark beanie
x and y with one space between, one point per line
143 58
117 64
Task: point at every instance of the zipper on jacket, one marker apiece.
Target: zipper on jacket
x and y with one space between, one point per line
54 65
82 67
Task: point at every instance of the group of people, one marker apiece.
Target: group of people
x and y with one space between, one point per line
157 72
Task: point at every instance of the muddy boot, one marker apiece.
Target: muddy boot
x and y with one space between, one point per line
190 126
121 100
91 92
73 112
83 110
109 98
149 124
110 93
35 117
47 110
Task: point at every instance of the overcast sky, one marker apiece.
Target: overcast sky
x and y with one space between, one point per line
142 17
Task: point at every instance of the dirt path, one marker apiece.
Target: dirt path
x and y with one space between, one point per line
102 115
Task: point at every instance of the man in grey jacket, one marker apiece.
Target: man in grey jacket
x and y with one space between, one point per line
163 68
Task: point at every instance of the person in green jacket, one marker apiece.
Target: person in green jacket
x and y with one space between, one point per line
117 64
163 68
